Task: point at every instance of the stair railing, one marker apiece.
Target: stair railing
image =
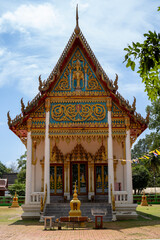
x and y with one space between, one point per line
44 200
112 199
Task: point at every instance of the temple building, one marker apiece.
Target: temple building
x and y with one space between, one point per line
78 129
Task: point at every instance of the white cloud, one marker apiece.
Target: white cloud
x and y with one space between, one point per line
83 5
44 17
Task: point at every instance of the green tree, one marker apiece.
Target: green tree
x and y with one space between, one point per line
17 187
22 168
154 119
3 169
153 164
140 177
148 55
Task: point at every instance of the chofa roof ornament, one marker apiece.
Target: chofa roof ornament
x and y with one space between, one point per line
77 29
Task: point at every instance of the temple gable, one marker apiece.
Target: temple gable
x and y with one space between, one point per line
78 76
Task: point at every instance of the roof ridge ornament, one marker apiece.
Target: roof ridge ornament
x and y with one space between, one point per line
77 29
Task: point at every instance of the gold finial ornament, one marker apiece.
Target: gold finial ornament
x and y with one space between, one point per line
116 84
40 83
127 122
75 205
144 200
134 104
22 106
77 29
99 178
83 180
15 201
112 199
9 118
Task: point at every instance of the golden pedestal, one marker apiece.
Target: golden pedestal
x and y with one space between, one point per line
15 201
75 205
144 200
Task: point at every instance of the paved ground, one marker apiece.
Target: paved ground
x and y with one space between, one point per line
20 232
12 228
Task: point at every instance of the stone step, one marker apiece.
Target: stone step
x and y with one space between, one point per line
62 209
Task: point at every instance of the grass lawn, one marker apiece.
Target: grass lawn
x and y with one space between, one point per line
146 215
152 212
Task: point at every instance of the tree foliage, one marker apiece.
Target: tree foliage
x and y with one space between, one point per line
140 177
17 187
3 169
148 55
22 168
154 119
150 143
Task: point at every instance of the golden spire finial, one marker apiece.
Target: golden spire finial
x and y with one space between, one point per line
77 16
75 193
77 29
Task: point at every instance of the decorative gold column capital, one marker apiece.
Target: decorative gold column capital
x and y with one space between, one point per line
47 104
127 122
29 124
109 104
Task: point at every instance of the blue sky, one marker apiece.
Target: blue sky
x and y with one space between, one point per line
33 35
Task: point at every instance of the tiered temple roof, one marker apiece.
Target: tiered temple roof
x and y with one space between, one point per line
77 38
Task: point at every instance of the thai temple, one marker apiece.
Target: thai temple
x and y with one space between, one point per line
78 128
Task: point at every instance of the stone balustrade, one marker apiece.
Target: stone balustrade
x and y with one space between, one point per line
36 197
121 196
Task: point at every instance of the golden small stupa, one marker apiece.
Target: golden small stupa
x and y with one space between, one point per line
144 200
75 205
15 201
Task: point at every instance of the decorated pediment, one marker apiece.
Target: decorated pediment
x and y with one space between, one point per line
39 112
78 76
78 112
116 111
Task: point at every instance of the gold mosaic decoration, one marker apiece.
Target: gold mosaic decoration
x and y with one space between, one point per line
79 73
78 112
40 112
64 83
92 82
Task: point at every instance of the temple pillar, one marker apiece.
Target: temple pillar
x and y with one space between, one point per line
67 179
90 178
29 163
128 163
110 150
47 151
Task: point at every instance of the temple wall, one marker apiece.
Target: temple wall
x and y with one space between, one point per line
38 166
118 153
91 147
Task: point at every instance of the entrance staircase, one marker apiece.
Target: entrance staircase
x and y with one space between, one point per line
59 208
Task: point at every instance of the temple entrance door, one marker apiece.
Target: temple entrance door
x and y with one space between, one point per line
101 179
56 180
79 175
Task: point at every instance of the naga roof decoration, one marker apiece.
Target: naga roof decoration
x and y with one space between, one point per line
77 39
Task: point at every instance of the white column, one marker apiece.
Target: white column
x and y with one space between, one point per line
128 166
29 164
110 150
47 152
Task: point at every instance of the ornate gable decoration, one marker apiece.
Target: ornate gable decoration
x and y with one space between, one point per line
78 112
78 76
116 111
40 112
